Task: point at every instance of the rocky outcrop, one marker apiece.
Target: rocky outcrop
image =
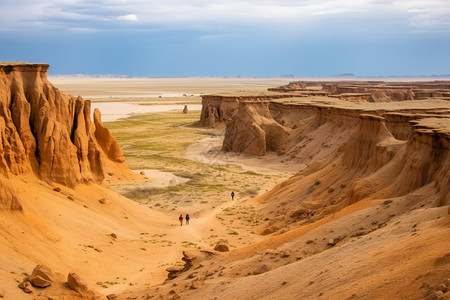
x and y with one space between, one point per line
218 109
48 133
190 258
50 285
355 151
253 131
78 285
311 128
374 91
8 199
221 247
106 141
370 164
291 86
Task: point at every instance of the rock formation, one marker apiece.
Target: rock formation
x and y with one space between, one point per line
366 162
48 133
78 285
253 131
190 258
382 151
8 198
221 247
219 108
106 141
41 276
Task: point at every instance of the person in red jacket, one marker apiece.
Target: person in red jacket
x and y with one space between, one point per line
181 220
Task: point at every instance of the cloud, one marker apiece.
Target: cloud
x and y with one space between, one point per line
60 14
130 17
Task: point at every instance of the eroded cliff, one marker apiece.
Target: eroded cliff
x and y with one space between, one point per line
219 108
355 149
48 133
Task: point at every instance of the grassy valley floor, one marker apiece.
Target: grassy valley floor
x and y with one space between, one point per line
202 187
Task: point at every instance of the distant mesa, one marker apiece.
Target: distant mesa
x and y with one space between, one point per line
48 133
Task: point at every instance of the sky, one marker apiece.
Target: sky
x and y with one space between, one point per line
228 37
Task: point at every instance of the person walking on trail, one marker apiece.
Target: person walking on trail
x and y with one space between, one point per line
232 196
181 220
187 219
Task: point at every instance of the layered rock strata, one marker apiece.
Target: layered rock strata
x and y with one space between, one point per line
48 133
374 91
360 150
219 108
294 123
253 131
370 165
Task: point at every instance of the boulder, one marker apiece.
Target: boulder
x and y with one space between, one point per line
26 287
435 295
221 247
41 276
76 283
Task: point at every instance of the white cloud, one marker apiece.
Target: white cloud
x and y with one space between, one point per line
419 14
130 17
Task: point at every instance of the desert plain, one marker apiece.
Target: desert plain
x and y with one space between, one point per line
341 187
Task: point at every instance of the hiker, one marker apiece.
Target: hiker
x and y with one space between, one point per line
187 219
232 196
181 220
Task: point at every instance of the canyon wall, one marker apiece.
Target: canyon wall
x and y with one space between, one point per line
47 133
253 131
218 109
368 164
353 151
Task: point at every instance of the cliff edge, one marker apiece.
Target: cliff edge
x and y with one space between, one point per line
48 133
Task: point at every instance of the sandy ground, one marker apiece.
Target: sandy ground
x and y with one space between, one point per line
125 88
209 151
70 230
112 111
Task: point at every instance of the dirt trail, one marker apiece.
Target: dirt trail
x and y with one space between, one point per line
209 150
198 227
198 230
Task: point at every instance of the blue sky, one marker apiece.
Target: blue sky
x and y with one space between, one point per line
229 38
